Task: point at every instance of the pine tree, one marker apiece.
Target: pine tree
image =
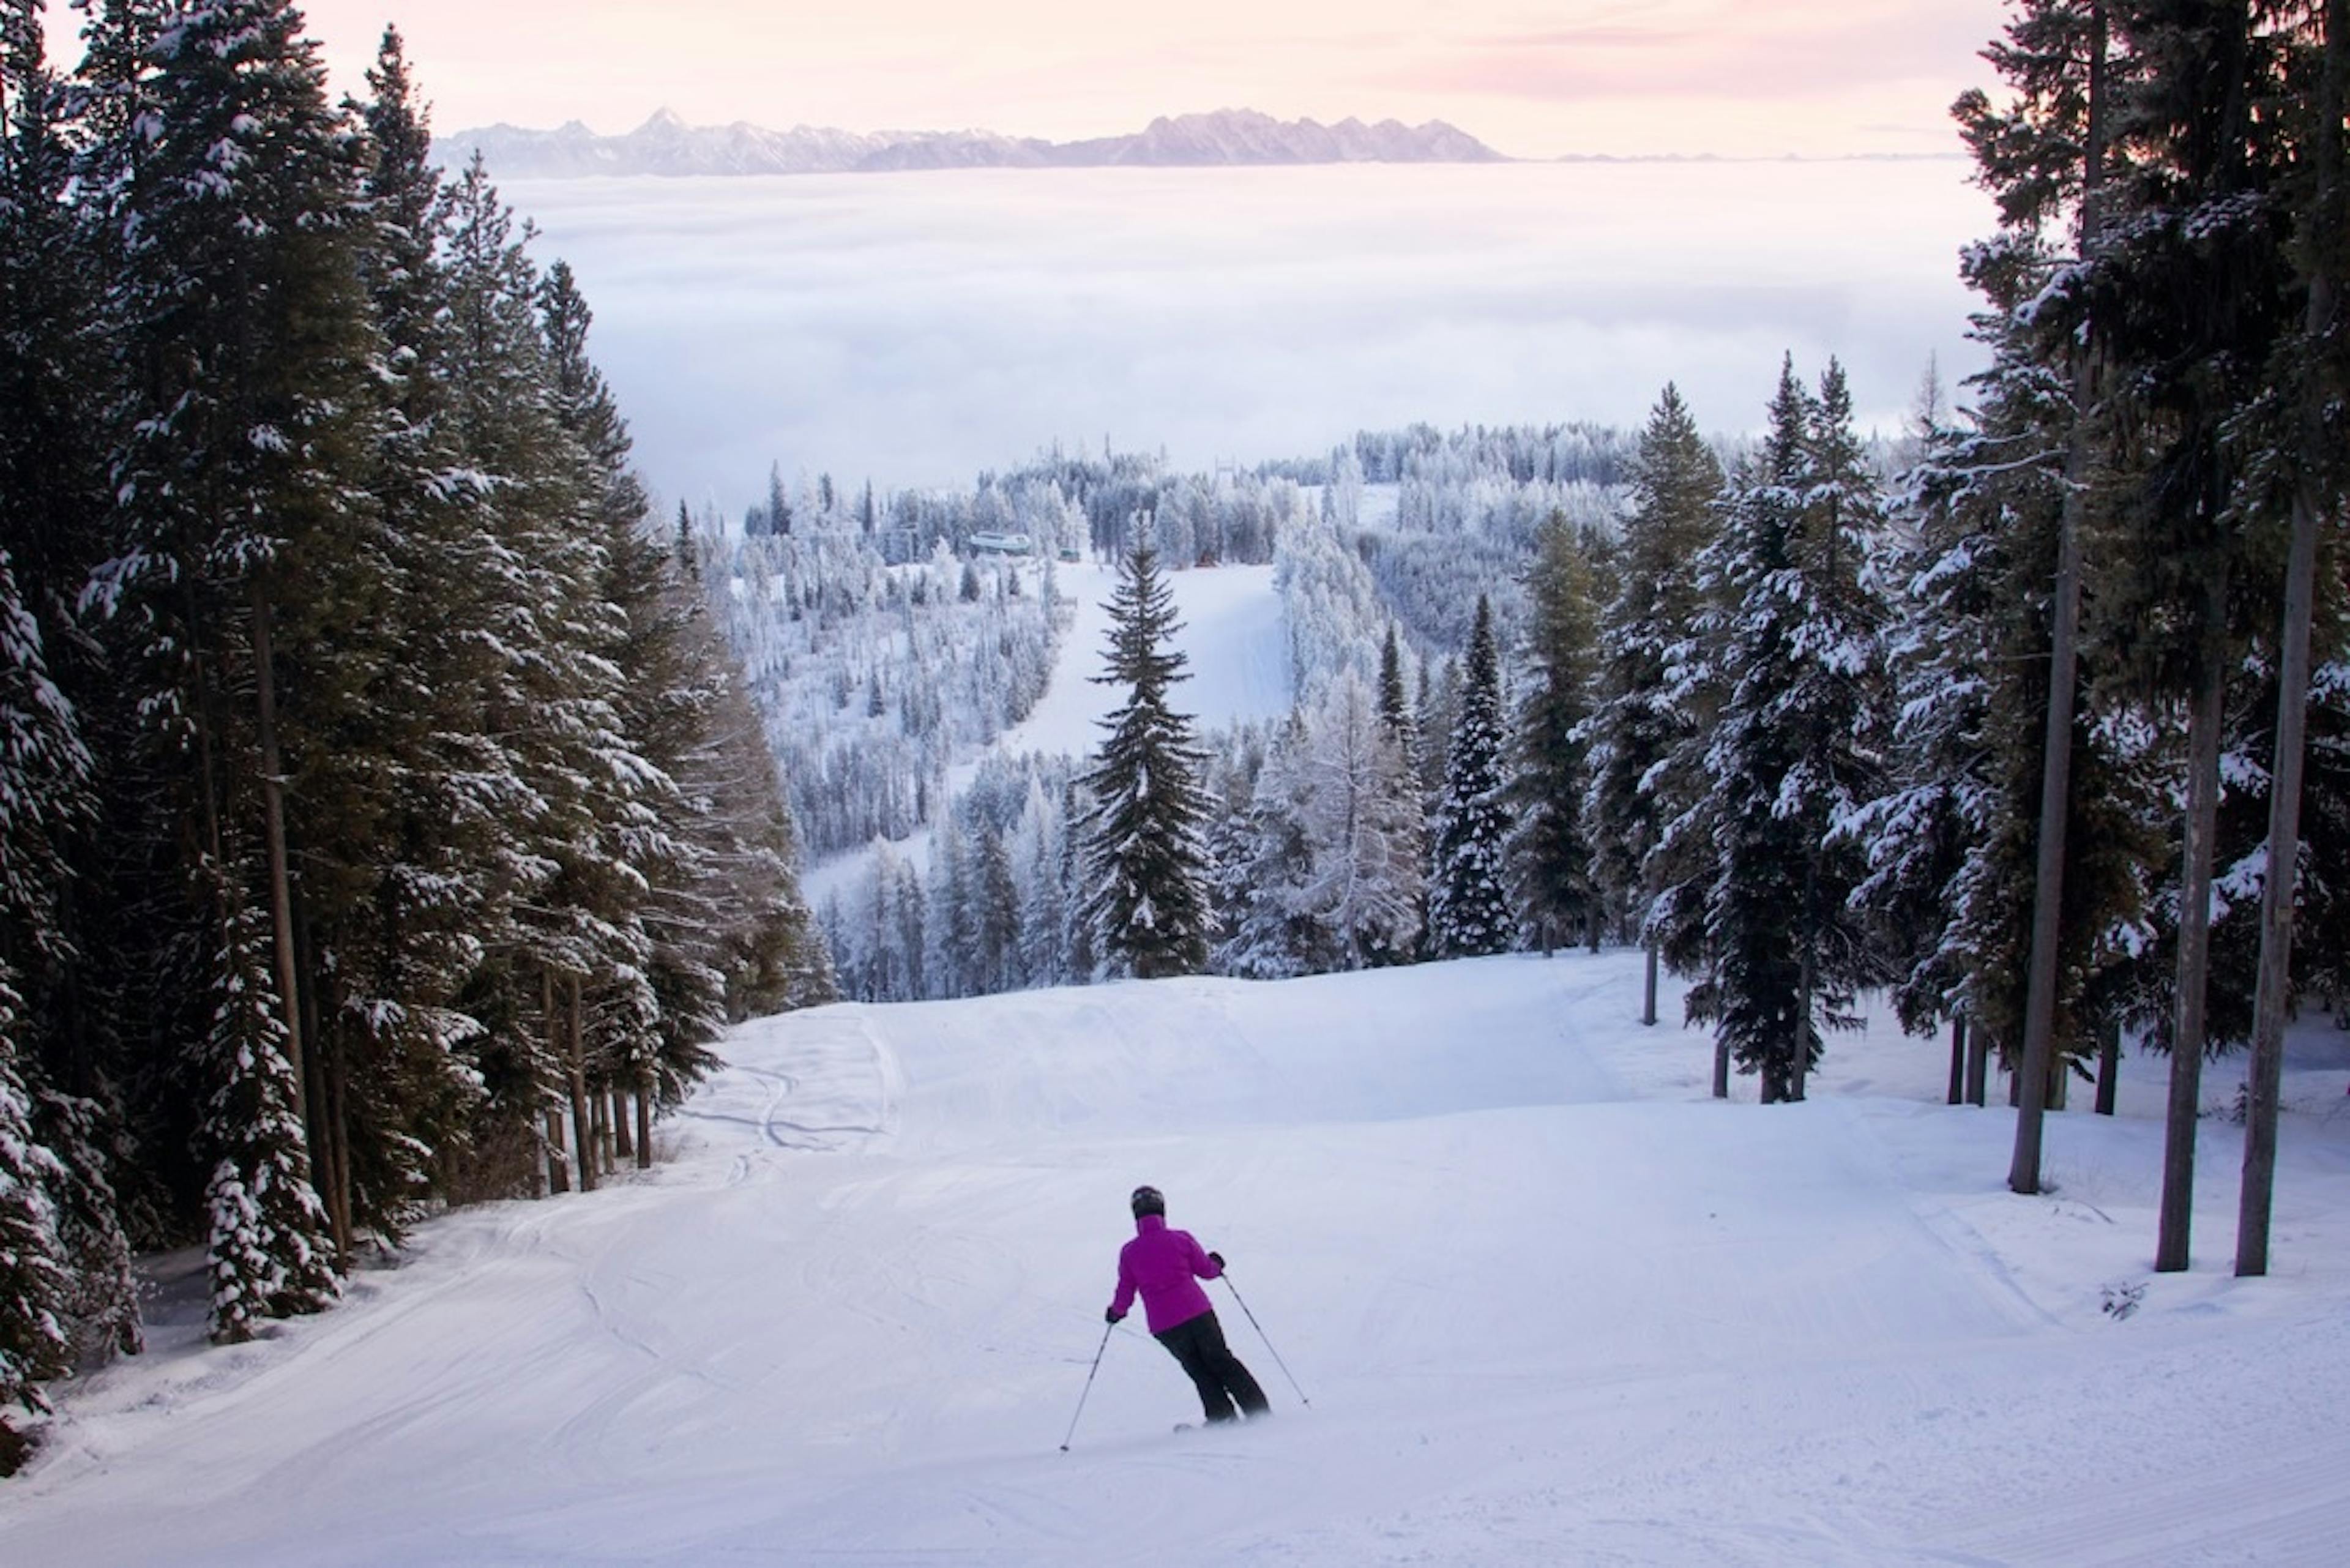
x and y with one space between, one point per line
270 1254
1264 860
237 529
1645 757
1782 955
1360 815
1468 905
1551 851
1147 899
33 1283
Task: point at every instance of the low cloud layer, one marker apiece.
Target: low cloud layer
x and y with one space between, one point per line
916 330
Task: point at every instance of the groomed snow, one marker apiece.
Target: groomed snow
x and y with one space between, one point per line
1552 1306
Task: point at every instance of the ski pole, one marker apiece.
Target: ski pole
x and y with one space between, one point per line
1107 1330
1277 1361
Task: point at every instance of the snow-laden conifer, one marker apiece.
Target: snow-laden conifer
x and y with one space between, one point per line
1553 879
270 1250
1147 892
1468 899
1790 757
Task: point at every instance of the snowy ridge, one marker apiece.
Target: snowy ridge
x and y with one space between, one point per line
1551 1304
666 145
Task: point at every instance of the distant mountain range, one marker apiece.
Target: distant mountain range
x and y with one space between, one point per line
665 144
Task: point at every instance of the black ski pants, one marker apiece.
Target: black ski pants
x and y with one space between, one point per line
1198 1344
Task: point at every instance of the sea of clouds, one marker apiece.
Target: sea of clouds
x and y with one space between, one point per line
918 328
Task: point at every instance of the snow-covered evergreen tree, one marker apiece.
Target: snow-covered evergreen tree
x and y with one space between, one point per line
34 1281
1468 902
1789 760
1147 896
1359 814
1551 852
1646 759
271 1252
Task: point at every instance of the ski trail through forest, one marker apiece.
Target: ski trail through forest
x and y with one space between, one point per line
1551 1304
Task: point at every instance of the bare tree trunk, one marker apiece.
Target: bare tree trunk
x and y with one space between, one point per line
558 1165
281 896
2060 1084
1799 1064
623 1145
1977 1065
581 1125
1721 1068
328 1069
1957 1058
2063 663
2109 1065
1648 996
645 1122
2272 998
2186 1031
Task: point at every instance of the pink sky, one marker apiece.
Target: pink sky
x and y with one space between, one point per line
1762 77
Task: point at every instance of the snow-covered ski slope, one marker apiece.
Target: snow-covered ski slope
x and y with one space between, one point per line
1551 1305
1232 638
1234 641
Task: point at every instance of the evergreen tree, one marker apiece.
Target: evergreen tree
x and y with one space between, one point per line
1551 852
1782 955
1359 819
237 528
268 1247
1645 751
1147 898
34 1284
1263 857
1468 905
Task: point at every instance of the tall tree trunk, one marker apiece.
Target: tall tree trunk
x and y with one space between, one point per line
1648 996
2064 664
281 888
645 1121
2109 1063
584 1133
2274 995
1977 1065
1957 1058
623 1145
558 1167
333 1178
1799 1066
2187 1029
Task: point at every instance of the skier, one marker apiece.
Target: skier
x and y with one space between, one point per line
1165 1265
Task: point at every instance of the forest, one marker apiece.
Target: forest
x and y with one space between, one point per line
2010 717
394 812
384 820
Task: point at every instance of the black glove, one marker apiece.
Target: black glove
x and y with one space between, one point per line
1217 1259
1113 1315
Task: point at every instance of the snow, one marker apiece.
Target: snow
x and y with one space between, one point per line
1551 1304
1232 632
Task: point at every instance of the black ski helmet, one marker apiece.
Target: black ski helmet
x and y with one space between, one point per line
1147 1200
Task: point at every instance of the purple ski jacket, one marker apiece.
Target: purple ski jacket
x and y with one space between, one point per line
1165 1266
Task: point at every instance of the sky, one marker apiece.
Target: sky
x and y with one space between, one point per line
1534 80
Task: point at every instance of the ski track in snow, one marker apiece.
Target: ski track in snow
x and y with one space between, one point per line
1552 1304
